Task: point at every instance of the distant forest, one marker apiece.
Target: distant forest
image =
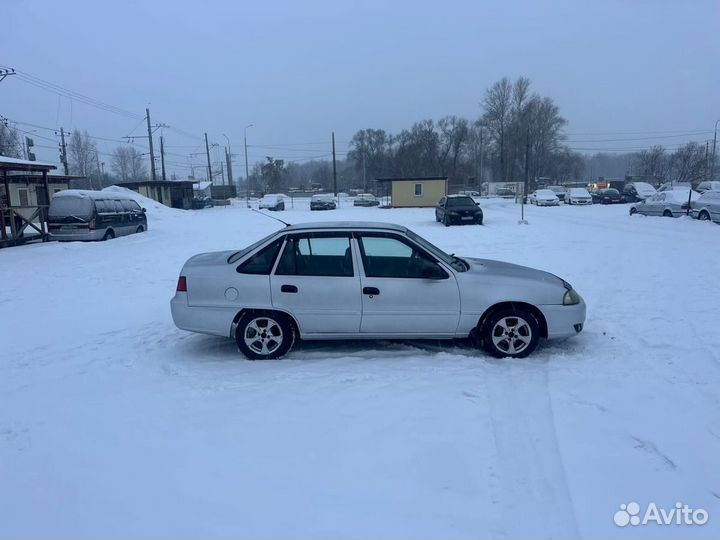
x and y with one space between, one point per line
519 134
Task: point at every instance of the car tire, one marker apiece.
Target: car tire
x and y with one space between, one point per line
109 235
479 221
140 229
437 219
633 211
667 213
446 221
704 216
264 335
510 333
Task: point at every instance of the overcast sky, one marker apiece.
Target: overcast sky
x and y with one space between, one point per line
298 70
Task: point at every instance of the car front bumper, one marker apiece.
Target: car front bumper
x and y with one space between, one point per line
564 321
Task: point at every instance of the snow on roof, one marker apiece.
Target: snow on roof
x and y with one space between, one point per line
90 194
202 186
25 163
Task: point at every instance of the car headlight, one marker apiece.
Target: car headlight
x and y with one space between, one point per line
571 298
453 213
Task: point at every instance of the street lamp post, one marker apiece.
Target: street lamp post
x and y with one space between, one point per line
247 170
712 168
228 160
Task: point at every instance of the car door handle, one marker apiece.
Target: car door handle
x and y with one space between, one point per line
289 289
372 291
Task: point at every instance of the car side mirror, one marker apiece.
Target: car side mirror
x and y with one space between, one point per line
433 272
143 210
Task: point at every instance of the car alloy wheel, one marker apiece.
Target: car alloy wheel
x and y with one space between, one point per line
667 213
633 211
511 332
704 216
263 336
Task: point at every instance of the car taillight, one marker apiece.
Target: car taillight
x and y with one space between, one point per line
182 284
91 224
684 206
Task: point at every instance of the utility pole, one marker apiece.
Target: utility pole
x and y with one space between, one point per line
222 174
247 173
334 166
63 152
99 169
228 164
364 174
207 152
712 170
162 156
482 155
152 153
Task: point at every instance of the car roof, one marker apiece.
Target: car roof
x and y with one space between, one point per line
345 225
90 194
458 196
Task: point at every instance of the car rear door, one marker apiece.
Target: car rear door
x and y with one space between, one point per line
317 281
405 290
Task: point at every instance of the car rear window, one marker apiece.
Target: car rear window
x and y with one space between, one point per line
262 262
71 206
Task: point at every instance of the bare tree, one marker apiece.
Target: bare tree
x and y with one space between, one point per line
497 106
687 163
10 141
127 163
82 154
454 133
652 163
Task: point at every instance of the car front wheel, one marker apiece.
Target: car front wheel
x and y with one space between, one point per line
704 216
264 336
446 221
510 333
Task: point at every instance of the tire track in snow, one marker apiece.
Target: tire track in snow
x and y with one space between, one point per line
529 461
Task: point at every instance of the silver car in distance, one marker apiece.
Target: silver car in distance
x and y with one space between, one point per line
350 280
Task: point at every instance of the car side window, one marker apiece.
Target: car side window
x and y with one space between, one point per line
127 205
442 202
389 257
310 255
263 261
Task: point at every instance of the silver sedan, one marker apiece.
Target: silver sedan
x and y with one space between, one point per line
350 280
707 207
671 203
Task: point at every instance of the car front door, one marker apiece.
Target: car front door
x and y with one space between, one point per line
405 290
317 281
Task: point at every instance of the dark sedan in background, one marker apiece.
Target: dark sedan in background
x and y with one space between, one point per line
607 196
458 209
323 201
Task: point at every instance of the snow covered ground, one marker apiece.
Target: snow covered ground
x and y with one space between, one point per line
113 423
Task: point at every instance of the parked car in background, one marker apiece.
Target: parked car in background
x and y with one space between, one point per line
355 280
198 203
323 202
469 193
578 196
504 192
606 196
543 197
366 199
273 202
637 191
673 203
707 206
710 185
560 191
77 214
458 210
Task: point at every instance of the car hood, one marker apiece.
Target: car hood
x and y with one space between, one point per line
488 267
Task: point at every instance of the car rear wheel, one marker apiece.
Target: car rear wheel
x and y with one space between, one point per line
510 333
264 336
667 213
633 211
140 229
704 216
109 234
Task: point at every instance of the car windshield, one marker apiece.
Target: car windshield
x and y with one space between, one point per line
644 187
460 201
456 262
579 192
545 193
557 189
65 206
611 192
240 254
323 198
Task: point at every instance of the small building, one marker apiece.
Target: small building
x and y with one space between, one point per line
414 192
172 193
223 192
